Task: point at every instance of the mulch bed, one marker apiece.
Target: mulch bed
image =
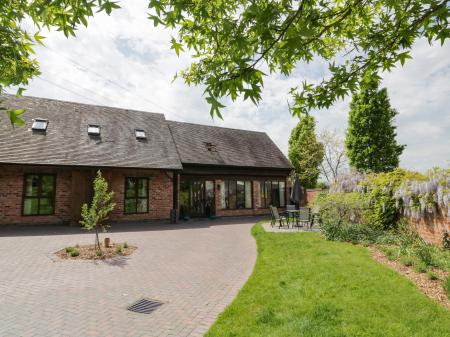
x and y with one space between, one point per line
88 252
431 288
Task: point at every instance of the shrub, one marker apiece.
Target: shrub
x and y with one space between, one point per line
391 254
432 276
125 245
69 249
341 207
420 267
446 286
406 261
99 253
381 187
119 249
74 252
424 253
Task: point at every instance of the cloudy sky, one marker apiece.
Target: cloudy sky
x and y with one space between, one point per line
122 60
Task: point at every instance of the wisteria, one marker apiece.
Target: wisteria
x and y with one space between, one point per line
349 182
417 198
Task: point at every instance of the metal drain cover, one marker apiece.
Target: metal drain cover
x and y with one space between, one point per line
145 306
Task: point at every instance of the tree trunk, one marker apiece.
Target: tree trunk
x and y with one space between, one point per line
97 241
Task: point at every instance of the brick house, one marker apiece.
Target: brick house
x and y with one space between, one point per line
153 165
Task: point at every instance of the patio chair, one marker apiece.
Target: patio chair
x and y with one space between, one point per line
294 214
304 217
281 219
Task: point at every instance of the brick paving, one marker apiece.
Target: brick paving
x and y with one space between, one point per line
195 268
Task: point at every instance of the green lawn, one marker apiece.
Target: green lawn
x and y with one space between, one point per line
305 286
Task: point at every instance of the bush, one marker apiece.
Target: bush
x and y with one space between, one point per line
406 261
446 286
69 249
420 267
74 252
384 213
341 207
125 245
424 253
432 276
119 249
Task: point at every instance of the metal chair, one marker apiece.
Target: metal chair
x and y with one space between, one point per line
282 220
292 214
304 217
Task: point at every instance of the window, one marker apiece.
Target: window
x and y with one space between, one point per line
236 194
94 130
38 194
140 134
136 195
273 193
39 124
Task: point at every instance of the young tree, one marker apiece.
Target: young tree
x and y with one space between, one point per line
370 139
335 160
305 152
102 205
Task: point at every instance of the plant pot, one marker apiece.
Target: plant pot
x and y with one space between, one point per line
107 242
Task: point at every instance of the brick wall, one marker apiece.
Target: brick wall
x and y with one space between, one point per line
432 228
160 194
310 194
11 189
72 186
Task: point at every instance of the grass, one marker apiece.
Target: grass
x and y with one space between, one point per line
305 286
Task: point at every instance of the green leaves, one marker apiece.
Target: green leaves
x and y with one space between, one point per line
14 116
215 106
108 6
176 46
370 140
17 64
305 151
232 39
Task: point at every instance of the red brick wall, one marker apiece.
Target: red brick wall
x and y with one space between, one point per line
11 189
160 194
431 228
67 180
310 194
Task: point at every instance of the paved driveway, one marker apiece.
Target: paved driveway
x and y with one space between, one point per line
195 268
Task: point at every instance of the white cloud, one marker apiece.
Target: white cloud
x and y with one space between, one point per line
122 60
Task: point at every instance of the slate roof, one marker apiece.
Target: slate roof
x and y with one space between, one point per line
169 144
66 141
210 145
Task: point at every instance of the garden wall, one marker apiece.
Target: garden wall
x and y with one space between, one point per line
431 228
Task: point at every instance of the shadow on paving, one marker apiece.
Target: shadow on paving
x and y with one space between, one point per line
118 227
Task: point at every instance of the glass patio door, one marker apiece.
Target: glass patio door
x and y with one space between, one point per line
196 198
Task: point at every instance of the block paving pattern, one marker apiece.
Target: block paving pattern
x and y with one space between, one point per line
195 268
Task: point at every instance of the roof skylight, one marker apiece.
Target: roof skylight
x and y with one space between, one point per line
94 130
40 124
140 134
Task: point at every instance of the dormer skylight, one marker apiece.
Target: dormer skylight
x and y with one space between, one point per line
140 134
39 124
93 130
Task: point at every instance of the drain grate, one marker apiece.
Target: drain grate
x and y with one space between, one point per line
145 306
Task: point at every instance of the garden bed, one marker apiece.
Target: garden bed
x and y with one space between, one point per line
433 288
89 252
